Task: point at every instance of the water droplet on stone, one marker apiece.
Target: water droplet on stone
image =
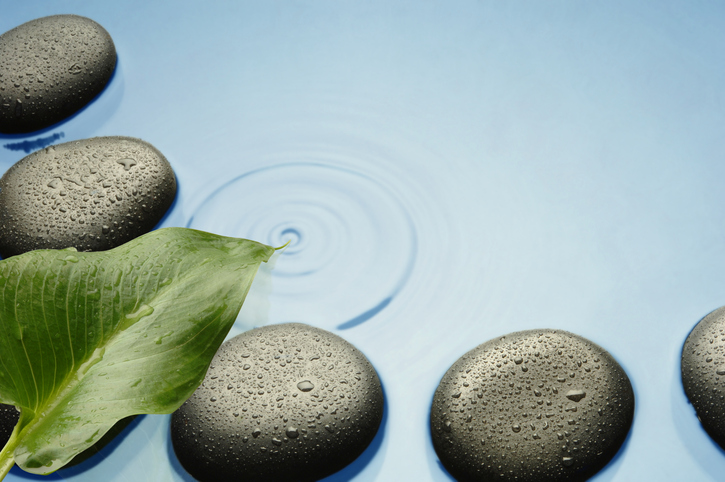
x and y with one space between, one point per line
575 395
127 163
305 386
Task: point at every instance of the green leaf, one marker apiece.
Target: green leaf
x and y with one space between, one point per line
87 339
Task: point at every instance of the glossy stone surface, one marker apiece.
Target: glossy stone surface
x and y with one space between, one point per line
703 373
93 194
539 405
9 416
283 402
50 68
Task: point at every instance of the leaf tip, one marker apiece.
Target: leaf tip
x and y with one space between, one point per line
284 245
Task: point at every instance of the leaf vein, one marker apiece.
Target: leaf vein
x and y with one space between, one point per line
22 342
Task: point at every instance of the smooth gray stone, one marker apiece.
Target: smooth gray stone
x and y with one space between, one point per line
703 373
284 402
532 406
50 68
93 194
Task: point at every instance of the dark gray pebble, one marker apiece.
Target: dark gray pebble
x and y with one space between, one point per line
284 402
50 68
9 416
93 194
703 373
539 405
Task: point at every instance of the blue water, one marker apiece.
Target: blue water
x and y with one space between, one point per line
445 172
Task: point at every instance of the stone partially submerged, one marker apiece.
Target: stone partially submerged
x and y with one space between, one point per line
50 68
93 194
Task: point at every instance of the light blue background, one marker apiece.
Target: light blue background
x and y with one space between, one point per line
450 172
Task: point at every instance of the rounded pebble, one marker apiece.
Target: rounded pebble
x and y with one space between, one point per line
539 405
703 373
93 194
50 68
284 402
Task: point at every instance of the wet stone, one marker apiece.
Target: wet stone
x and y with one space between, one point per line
563 419
84 194
50 68
703 367
306 404
9 416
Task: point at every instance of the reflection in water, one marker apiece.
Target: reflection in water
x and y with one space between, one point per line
365 316
29 146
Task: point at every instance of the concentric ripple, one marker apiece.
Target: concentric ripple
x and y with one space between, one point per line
352 242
